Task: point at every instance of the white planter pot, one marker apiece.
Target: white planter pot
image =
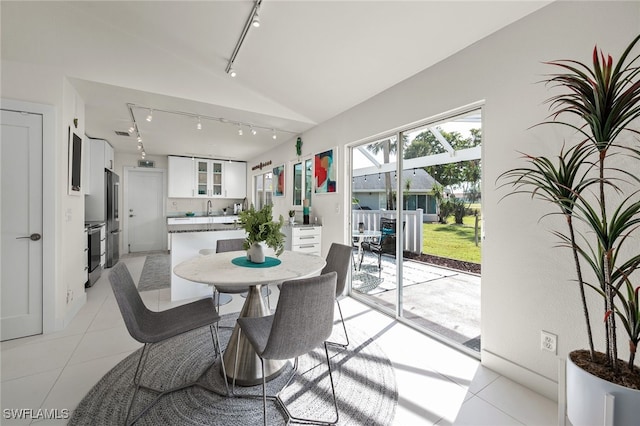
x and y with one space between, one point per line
586 399
255 253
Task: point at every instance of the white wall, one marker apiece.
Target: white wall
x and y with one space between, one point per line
63 213
526 284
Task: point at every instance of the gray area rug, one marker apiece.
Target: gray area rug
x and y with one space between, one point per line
363 376
156 273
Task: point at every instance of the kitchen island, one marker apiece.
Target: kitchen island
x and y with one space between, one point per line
187 237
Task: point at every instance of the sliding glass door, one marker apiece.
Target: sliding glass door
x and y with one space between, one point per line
416 226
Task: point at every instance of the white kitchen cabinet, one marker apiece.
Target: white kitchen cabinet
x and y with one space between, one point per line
208 176
86 166
94 206
108 156
303 238
181 183
235 180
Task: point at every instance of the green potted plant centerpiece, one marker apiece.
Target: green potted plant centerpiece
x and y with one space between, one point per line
594 185
261 228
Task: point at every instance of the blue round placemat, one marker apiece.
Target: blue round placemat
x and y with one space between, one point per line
268 262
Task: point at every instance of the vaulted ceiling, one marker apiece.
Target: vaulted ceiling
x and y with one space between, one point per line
307 62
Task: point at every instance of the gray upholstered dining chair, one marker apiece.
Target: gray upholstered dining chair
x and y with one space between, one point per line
151 327
232 244
338 260
303 320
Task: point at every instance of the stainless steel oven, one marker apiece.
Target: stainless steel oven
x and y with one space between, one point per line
95 270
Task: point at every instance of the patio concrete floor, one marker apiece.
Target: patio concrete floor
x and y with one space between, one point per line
438 299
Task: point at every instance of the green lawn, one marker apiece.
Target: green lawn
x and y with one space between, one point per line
451 241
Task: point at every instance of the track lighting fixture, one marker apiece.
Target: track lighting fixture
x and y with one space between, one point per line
134 130
365 178
253 20
378 177
414 172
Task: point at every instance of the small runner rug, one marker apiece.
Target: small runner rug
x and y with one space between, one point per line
363 376
156 273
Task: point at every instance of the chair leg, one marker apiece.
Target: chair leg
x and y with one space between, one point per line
217 339
136 382
344 327
264 393
333 392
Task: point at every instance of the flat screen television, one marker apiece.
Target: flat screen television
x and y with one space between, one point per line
75 163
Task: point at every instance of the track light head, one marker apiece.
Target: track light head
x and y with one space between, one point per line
199 125
274 136
240 131
150 116
139 139
256 20
232 72
253 131
132 129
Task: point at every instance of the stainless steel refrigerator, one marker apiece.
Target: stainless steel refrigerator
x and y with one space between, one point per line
112 191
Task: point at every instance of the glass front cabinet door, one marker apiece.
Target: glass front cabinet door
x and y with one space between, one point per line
208 178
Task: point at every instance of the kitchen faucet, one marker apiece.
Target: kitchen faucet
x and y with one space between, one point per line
209 208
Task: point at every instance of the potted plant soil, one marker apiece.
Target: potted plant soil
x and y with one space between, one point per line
600 203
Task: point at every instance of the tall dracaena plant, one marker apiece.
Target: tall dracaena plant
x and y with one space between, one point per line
559 183
606 98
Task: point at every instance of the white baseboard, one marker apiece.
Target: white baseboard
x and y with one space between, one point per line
522 375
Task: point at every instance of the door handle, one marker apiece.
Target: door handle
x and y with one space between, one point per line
32 237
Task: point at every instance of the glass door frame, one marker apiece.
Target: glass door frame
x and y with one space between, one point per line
397 313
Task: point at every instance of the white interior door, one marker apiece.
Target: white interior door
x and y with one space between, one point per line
21 223
145 215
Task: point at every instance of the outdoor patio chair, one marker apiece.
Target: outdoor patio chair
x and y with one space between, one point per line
387 242
151 327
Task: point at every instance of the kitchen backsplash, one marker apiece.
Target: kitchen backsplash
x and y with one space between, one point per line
180 206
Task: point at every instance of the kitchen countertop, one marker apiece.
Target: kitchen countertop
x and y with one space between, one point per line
200 227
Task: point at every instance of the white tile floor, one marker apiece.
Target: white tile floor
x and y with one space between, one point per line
436 384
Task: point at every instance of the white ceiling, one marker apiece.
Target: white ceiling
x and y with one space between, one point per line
309 61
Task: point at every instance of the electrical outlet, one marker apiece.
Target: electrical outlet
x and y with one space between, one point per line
548 341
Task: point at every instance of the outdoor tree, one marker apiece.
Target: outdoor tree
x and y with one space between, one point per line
388 146
465 174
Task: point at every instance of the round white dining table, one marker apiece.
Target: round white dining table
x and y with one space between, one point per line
222 269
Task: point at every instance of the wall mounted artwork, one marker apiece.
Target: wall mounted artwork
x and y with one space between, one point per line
278 181
325 172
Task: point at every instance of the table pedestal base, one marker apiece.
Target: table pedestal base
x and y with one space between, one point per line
249 369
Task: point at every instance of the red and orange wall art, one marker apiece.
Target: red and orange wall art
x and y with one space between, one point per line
325 172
